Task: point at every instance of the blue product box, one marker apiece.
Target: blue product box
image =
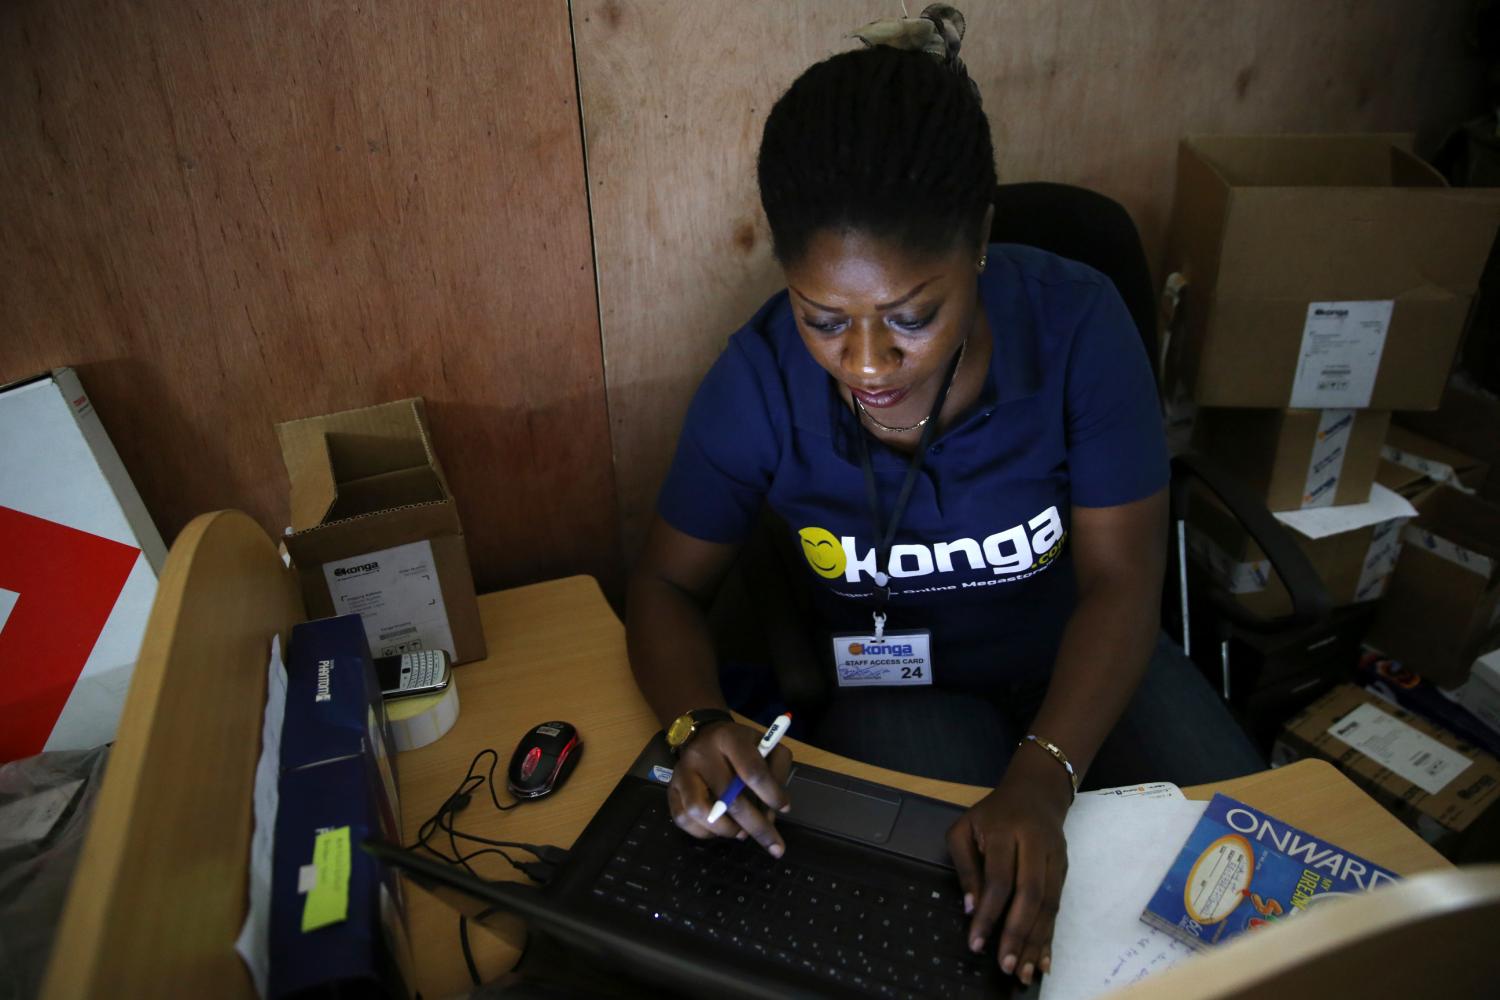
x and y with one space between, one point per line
366 953
333 706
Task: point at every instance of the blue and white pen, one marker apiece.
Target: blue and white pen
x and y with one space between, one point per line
767 744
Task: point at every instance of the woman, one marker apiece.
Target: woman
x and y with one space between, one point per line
966 440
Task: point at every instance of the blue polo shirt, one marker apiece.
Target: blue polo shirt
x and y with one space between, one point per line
1067 417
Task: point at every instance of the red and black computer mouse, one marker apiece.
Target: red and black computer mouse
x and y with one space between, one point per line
543 760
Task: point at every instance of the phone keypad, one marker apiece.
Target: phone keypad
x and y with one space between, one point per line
422 669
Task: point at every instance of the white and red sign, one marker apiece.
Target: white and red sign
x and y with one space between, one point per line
79 559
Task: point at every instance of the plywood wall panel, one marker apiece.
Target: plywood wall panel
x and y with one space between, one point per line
227 214
1094 92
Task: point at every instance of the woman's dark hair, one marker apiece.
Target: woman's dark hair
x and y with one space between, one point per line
881 141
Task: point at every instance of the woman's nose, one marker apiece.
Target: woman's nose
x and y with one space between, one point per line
868 351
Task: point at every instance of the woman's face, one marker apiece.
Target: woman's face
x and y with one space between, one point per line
882 322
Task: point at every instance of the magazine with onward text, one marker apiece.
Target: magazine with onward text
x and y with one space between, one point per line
1241 869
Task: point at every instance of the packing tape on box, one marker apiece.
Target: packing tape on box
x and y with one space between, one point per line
1380 560
1444 549
1327 461
1438 472
1235 577
416 722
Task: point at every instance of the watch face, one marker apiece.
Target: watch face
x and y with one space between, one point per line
680 729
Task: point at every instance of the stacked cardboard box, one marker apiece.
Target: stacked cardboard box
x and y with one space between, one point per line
1480 694
1442 609
1353 549
1328 280
1411 464
1443 788
1467 421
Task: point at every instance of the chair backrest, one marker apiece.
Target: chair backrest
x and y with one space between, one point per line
1431 935
1088 227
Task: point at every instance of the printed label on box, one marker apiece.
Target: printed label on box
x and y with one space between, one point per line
1399 748
396 594
1341 347
1327 460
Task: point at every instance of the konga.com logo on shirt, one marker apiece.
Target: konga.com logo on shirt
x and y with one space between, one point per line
1016 551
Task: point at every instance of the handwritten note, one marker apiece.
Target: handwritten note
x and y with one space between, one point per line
328 900
1119 847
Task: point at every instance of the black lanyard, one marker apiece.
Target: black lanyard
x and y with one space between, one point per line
885 534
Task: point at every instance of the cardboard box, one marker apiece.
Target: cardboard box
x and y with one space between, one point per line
1323 272
1480 694
375 531
1296 458
1353 548
78 572
1390 680
1442 788
1468 421
1411 463
1444 595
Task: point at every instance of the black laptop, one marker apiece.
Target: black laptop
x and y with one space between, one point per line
864 903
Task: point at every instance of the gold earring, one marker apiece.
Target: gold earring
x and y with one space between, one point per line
983 260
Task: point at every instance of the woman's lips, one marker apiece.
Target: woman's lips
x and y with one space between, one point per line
879 400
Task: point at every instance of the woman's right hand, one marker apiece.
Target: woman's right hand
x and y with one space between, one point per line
706 765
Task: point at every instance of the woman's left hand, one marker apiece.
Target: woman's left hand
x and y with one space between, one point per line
1011 859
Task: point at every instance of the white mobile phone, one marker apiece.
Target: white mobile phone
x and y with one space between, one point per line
412 673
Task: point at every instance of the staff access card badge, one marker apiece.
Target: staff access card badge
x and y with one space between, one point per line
898 658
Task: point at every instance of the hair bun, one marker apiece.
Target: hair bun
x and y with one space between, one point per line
938 31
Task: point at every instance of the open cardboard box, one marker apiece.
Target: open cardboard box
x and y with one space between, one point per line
1323 271
1411 463
375 530
1444 594
1468 420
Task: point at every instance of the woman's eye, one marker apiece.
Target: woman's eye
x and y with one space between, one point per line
824 325
911 323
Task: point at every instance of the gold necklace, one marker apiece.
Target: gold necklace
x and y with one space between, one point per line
920 423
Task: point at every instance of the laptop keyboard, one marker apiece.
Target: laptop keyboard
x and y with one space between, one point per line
842 923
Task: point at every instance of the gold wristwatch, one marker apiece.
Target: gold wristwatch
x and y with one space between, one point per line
687 724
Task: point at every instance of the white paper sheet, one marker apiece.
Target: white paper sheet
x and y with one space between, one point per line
1320 522
254 942
1119 848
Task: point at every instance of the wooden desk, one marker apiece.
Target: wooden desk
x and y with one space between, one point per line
558 652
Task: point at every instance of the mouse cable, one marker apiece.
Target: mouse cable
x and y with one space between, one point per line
488 778
463 795
538 871
544 852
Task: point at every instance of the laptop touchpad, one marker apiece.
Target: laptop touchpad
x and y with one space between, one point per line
838 804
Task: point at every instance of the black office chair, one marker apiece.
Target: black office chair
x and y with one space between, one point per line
765 607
